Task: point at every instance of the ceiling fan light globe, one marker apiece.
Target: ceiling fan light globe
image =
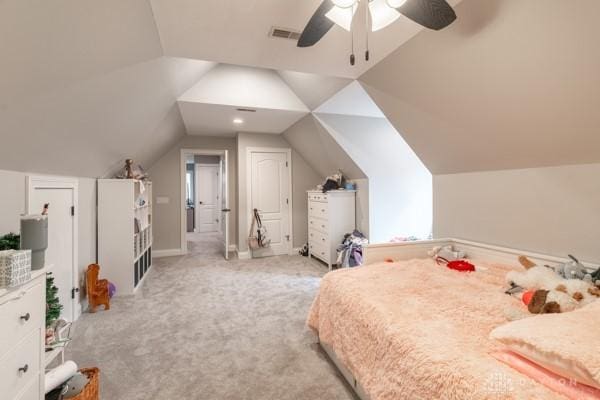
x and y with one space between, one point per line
395 3
344 3
381 14
342 16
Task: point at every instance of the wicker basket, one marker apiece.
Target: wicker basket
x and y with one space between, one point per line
90 392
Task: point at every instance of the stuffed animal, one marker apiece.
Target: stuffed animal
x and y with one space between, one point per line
552 293
570 270
573 270
446 252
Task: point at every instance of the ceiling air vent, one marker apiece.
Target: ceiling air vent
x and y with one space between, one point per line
246 109
284 33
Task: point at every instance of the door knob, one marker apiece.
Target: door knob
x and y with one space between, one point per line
200 202
24 368
26 317
226 210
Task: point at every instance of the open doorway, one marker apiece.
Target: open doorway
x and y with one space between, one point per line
205 205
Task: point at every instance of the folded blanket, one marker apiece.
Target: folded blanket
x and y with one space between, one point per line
416 330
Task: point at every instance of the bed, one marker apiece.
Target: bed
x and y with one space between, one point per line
414 330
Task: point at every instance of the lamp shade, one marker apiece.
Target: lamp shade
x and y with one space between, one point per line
344 3
342 16
382 14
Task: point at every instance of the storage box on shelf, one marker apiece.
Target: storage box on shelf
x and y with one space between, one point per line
15 267
124 232
22 335
330 216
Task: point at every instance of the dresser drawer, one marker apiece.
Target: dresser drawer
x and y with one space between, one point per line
21 365
318 224
318 238
20 313
317 209
320 251
316 196
32 391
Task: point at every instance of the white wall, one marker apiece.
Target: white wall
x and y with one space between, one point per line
12 205
400 187
552 210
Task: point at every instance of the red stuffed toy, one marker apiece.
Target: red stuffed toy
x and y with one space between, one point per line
458 265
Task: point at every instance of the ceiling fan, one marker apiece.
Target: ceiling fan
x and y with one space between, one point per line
432 14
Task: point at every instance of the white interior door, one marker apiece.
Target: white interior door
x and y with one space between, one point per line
60 252
225 206
207 198
270 194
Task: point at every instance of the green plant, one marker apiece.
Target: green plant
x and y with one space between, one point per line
53 306
10 241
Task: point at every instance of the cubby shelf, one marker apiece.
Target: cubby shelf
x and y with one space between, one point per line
124 232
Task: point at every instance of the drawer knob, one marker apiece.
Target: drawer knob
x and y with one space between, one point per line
25 317
24 368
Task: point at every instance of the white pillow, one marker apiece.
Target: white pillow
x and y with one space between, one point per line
567 344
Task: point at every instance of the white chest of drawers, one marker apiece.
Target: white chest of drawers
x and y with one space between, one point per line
330 216
22 334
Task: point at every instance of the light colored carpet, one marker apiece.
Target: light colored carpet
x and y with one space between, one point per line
204 328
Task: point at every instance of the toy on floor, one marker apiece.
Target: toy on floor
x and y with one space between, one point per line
97 289
548 292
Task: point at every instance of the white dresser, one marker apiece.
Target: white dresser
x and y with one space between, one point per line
22 335
330 216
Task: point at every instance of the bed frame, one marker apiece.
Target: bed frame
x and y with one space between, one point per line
403 251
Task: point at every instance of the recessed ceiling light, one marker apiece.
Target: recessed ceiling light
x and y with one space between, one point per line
238 121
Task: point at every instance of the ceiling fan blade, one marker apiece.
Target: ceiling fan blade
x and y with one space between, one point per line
317 26
432 14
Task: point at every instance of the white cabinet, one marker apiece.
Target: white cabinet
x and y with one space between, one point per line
22 335
124 232
330 216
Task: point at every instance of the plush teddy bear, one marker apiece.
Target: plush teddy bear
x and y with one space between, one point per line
551 292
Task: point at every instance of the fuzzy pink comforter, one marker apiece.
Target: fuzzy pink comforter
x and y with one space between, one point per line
415 330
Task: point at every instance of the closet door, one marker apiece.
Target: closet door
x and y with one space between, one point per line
270 194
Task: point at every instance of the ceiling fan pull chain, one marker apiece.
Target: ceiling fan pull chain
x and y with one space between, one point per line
352 57
367 28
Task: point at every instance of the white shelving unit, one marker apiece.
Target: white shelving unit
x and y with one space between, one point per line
124 232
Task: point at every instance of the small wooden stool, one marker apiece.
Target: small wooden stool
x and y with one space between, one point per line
97 289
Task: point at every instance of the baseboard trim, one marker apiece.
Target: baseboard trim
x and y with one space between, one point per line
244 255
233 248
167 253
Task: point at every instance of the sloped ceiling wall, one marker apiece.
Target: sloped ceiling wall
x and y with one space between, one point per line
511 84
316 145
211 105
84 84
313 89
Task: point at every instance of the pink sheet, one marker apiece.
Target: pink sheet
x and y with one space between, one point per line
569 388
416 330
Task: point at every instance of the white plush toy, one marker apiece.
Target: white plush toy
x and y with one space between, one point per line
568 294
446 252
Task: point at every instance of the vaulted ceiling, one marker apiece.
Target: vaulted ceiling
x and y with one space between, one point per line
236 32
85 84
